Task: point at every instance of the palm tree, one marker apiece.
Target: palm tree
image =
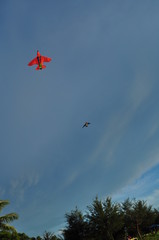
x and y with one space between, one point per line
4 220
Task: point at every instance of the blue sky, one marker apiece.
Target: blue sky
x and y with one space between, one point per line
104 70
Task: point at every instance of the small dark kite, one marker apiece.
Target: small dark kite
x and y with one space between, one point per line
86 124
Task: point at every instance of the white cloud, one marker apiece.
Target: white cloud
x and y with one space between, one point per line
143 188
153 130
141 89
119 122
71 178
153 198
19 186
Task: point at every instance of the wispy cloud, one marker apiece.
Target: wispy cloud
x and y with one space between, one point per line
152 131
19 186
152 198
143 188
119 121
71 178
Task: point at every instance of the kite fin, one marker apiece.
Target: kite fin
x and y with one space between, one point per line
43 66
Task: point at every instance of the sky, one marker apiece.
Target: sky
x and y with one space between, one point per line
104 70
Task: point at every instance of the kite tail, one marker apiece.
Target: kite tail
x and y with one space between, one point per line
40 68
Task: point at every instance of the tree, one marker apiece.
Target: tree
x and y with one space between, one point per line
38 238
138 216
156 213
127 208
75 226
23 236
143 216
49 236
5 219
105 220
9 235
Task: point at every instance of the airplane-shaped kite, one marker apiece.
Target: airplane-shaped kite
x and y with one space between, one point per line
86 124
39 61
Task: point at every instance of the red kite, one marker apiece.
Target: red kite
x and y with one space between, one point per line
39 61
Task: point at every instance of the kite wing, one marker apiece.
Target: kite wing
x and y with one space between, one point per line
45 59
34 61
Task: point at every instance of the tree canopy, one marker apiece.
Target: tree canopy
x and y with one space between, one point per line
5 219
105 220
102 220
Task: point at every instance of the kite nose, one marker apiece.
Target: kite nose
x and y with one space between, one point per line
38 54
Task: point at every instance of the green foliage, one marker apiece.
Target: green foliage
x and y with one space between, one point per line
23 236
142 215
9 235
75 226
151 236
105 220
38 238
138 216
4 220
47 236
